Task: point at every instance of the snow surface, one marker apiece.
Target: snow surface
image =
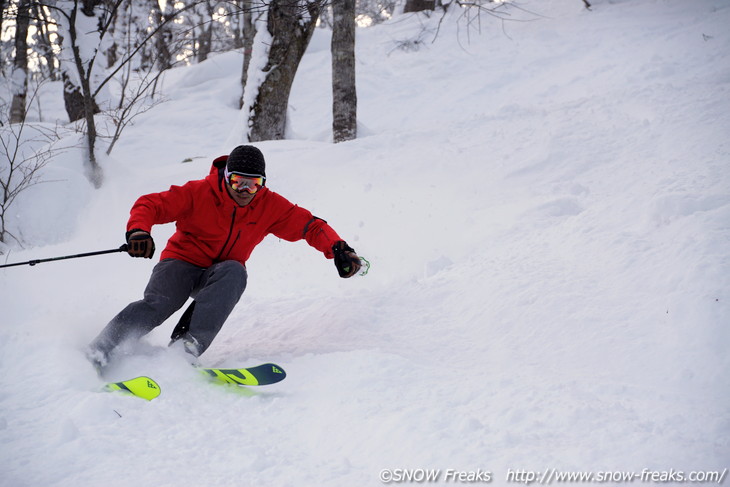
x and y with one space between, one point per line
546 207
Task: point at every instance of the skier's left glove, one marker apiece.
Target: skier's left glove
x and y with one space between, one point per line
346 260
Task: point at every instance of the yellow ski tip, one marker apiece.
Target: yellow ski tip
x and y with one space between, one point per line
143 387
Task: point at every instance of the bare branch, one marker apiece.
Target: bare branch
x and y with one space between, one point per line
25 156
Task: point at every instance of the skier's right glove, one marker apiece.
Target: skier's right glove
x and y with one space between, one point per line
346 260
140 243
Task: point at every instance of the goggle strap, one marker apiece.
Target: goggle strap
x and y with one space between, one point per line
227 175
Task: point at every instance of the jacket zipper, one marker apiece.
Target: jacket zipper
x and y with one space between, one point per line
230 233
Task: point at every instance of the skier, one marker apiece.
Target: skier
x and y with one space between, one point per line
219 221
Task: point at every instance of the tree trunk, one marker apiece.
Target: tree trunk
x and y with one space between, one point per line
419 5
236 20
45 47
119 19
2 14
74 72
73 99
19 78
249 31
3 4
344 93
205 40
80 103
163 38
291 24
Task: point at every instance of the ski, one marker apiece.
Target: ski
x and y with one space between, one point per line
260 375
143 387
146 388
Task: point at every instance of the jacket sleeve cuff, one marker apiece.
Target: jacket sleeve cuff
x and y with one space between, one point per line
133 230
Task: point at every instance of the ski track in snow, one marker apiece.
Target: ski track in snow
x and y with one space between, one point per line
546 211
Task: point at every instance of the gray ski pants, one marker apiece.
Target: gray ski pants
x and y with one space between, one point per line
216 291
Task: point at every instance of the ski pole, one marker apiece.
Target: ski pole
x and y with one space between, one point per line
365 266
123 248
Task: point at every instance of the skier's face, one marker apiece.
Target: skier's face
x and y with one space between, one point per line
241 199
243 187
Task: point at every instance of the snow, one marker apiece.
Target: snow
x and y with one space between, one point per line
546 212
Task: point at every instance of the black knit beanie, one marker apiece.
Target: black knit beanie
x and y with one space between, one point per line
246 159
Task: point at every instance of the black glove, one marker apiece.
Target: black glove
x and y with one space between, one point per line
140 243
346 260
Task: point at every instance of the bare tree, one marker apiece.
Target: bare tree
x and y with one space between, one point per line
234 24
289 25
2 13
83 45
344 93
206 24
3 4
162 21
19 76
372 12
135 99
22 157
44 45
76 67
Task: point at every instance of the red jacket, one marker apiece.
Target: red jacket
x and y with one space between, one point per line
212 228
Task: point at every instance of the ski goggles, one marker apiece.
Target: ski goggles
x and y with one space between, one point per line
244 182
